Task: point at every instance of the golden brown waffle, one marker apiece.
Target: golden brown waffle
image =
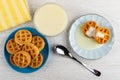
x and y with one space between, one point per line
31 49
11 60
35 63
22 59
39 42
87 26
13 47
23 37
104 35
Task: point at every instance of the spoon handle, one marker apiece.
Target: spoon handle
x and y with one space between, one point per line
94 71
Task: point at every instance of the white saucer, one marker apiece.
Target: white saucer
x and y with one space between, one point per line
94 53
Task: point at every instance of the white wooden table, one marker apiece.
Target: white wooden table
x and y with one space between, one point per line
60 68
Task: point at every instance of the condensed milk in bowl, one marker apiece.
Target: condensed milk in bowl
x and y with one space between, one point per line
50 19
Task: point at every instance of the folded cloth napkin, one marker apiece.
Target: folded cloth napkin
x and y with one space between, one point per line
13 13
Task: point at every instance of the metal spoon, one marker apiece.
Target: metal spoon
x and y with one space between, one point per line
63 51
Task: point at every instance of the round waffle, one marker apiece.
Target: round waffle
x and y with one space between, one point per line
13 47
23 37
22 59
35 63
38 42
89 28
102 35
31 49
11 60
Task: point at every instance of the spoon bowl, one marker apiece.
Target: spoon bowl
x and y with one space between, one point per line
61 50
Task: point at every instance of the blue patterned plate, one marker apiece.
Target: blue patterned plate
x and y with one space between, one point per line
44 52
97 52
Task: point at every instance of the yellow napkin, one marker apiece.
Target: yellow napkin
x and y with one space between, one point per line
13 13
